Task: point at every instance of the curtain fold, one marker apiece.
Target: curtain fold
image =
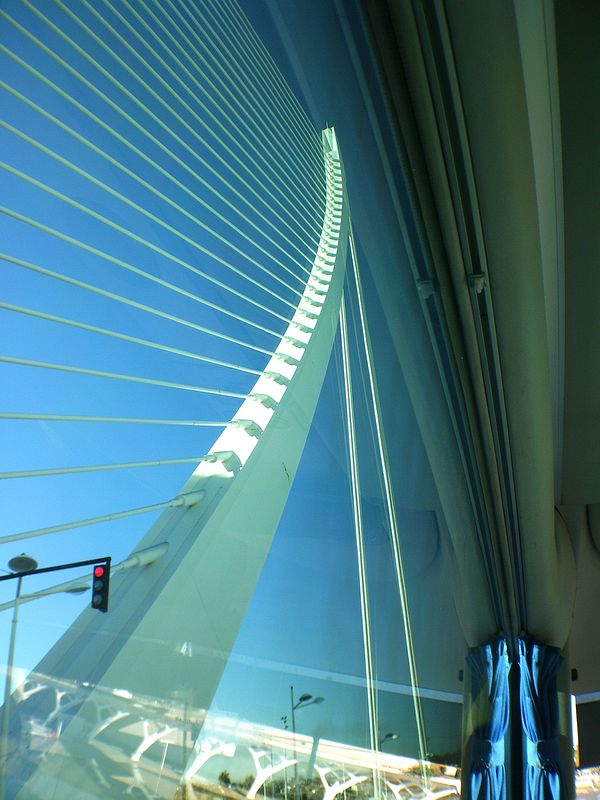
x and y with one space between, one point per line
489 666
539 665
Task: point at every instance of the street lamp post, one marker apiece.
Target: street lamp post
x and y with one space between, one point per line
18 564
303 701
284 719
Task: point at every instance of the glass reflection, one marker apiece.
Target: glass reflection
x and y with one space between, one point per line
155 748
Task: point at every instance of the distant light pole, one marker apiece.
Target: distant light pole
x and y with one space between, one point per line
303 701
284 719
18 564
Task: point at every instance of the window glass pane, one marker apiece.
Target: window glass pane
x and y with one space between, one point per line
277 631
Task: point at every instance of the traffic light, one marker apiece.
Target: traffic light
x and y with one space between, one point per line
100 582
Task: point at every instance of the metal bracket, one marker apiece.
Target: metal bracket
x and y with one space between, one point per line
478 281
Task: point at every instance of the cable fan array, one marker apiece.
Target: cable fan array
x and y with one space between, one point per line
170 224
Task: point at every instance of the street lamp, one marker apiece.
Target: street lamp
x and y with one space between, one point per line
303 701
386 738
18 565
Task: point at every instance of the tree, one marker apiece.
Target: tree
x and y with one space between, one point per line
225 778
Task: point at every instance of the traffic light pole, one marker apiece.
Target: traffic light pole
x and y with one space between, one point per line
102 560
138 559
18 576
7 690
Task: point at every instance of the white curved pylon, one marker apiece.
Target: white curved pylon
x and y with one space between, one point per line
265 772
337 787
199 590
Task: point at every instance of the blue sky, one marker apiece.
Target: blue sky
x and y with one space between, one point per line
36 502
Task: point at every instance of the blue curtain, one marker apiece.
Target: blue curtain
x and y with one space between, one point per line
539 666
489 666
